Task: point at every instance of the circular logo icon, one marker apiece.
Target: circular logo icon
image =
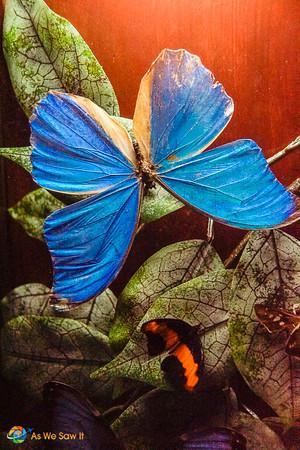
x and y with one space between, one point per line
17 434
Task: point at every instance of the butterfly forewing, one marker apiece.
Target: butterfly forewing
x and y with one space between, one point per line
72 152
180 110
183 365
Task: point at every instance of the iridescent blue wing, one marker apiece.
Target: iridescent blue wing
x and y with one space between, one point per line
232 184
89 241
180 111
71 414
180 108
77 147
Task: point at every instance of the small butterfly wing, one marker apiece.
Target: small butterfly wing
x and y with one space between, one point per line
163 334
276 319
77 146
293 342
232 184
180 109
89 241
70 412
184 365
220 438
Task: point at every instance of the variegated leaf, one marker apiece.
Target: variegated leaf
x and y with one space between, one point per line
32 210
37 349
33 299
202 300
170 266
158 203
44 51
19 155
268 273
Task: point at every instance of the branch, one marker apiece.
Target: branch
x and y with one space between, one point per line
294 144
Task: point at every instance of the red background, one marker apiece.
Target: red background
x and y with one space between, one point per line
250 46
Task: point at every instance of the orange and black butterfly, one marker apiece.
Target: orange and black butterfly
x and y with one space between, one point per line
184 363
279 319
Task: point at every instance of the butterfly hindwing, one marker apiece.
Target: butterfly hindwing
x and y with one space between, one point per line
183 366
232 184
78 148
96 234
278 319
293 342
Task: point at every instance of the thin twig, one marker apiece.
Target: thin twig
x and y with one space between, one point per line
294 144
210 230
140 227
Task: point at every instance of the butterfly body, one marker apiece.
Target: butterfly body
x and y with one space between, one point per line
184 364
280 319
79 149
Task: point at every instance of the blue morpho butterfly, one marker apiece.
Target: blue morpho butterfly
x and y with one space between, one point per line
79 149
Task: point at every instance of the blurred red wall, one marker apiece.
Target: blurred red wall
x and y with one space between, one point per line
250 45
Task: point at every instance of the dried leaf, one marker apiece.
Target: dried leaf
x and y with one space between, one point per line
32 210
44 51
267 273
19 155
288 432
170 266
35 350
202 300
33 298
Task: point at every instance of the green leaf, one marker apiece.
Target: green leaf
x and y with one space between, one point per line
33 299
32 210
268 273
202 300
36 349
170 266
44 51
158 203
19 155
